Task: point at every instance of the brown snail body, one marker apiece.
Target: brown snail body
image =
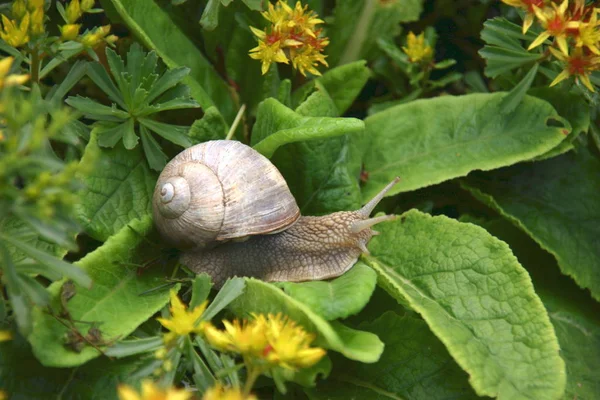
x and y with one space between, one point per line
290 249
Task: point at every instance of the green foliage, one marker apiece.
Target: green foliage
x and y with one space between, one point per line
490 289
139 93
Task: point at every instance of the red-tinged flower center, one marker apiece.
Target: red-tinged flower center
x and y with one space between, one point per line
556 25
272 38
531 3
267 350
578 66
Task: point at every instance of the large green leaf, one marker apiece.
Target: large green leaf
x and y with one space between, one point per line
556 203
358 24
415 365
151 23
338 298
118 188
429 141
261 297
477 299
277 125
113 302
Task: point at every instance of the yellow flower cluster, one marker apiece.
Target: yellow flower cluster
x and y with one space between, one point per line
574 27
28 21
219 392
150 391
417 50
292 35
70 31
182 321
274 339
10 80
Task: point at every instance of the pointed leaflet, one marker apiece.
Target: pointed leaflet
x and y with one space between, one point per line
151 23
477 299
113 302
118 189
556 202
414 366
429 141
261 297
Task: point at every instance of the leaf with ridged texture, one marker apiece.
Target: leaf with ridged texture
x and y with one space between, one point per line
337 298
118 188
150 22
477 299
415 365
426 142
113 302
556 202
263 298
19 230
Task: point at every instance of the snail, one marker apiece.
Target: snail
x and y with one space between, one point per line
232 214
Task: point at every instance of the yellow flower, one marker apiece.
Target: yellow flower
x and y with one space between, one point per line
527 5
86 5
35 4
268 51
218 392
3 395
37 21
578 64
18 9
15 34
152 392
69 31
182 321
417 50
293 36
246 338
92 39
73 11
5 335
290 344
10 80
588 34
555 23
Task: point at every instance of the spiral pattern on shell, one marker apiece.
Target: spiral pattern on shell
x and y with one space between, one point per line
220 190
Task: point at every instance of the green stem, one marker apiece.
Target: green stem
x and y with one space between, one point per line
35 65
355 44
253 374
236 122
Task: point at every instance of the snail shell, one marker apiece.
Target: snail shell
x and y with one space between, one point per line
220 190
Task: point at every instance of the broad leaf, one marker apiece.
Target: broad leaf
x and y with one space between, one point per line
415 365
118 189
19 230
277 125
151 23
113 303
477 299
429 141
338 298
555 202
212 126
262 297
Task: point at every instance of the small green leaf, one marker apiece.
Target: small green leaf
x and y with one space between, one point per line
95 110
477 299
126 348
114 301
513 98
212 126
555 202
110 134
169 79
338 298
261 297
100 77
426 142
230 291
200 290
173 133
58 266
501 60
210 16
118 189
154 154
77 72
277 125
130 139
